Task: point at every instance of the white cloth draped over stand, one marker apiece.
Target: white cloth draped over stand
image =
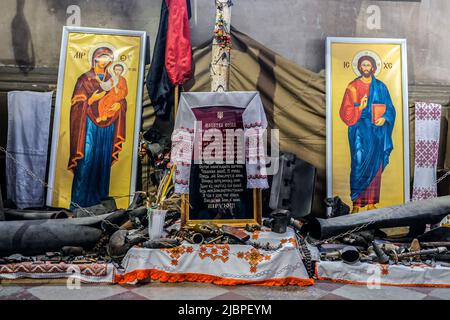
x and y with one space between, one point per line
185 133
28 134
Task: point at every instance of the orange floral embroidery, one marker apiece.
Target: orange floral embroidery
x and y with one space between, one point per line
289 240
255 235
177 252
254 258
216 251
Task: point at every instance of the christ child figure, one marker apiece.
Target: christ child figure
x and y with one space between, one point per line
118 90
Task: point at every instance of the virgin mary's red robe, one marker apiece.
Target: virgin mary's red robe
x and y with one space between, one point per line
86 85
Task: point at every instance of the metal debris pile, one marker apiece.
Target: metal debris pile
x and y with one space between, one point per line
103 233
418 237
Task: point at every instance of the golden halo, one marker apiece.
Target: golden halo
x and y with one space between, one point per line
114 63
99 45
366 53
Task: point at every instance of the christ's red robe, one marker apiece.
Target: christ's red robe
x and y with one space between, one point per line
354 93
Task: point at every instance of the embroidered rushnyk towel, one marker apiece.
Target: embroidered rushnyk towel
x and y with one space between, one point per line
374 274
221 264
86 273
427 127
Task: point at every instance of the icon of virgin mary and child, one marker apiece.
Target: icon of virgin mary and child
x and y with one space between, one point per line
97 127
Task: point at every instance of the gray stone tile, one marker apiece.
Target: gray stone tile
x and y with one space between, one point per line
22 295
128 295
362 292
230 296
443 293
180 291
9 290
280 293
327 285
332 296
202 291
86 292
131 286
424 290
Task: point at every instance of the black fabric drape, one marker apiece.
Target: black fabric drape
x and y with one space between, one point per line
160 89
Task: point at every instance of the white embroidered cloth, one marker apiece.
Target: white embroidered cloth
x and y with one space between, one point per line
186 132
221 264
427 127
418 275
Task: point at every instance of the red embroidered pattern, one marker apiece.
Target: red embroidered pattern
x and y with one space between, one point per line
289 240
254 258
428 111
384 269
426 153
253 124
185 129
257 176
177 252
422 193
94 270
255 235
215 252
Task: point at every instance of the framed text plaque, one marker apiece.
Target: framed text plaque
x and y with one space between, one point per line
216 177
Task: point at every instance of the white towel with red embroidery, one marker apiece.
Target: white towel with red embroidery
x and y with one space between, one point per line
427 127
221 264
374 275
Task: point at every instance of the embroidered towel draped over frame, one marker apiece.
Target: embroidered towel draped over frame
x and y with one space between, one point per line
28 134
254 122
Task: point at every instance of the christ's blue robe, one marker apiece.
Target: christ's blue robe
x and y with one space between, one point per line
370 145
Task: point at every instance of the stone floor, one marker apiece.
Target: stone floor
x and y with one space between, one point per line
51 290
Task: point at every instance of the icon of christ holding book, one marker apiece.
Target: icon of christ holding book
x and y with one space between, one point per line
368 112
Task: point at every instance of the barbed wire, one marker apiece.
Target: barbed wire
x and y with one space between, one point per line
90 213
51 189
445 175
365 225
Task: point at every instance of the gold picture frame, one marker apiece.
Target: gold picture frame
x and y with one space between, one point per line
353 65
257 213
94 64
